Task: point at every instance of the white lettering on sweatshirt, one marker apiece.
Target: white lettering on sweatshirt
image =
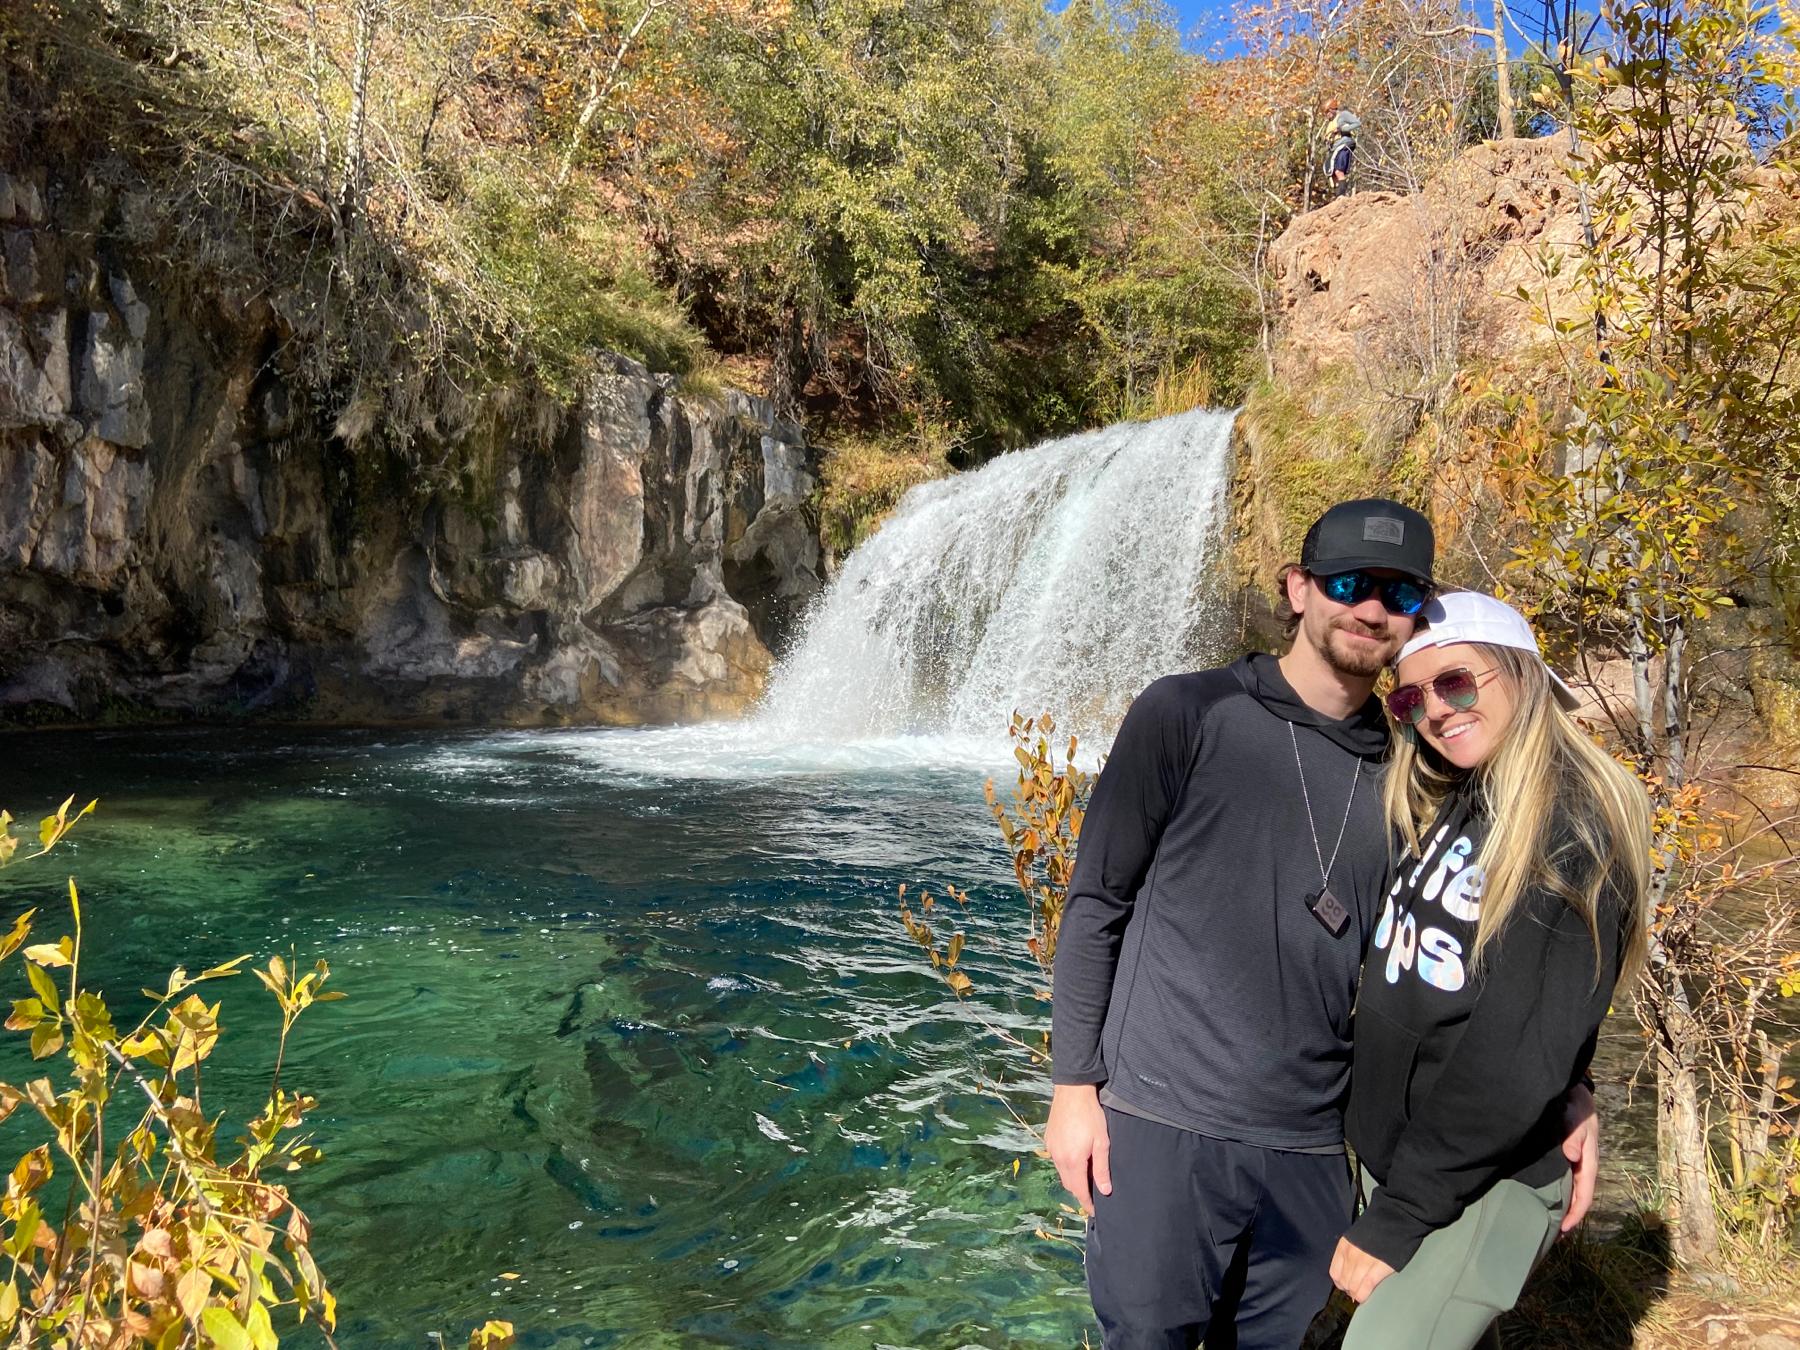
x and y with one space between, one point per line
1436 955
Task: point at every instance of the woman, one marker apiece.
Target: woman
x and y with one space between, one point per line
1518 905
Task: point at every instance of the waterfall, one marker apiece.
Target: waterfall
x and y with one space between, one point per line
1063 578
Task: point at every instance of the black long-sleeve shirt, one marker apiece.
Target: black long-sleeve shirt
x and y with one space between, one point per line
1460 1077
1191 978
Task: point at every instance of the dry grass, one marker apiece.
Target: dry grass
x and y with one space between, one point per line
865 478
1177 390
1338 433
1303 446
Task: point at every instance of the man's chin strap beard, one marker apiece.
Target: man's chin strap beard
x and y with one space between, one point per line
1360 672
1361 666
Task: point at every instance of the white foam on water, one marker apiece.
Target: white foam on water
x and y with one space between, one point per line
745 750
769 1127
710 751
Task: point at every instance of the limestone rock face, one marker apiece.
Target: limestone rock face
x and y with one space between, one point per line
772 554
182 535
111 394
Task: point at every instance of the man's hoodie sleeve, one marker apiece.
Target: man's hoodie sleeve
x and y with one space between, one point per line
1131 804
1529 1037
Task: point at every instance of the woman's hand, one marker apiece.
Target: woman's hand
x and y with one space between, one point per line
1356 1272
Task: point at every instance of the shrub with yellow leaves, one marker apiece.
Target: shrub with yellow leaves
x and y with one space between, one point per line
152 1235
1040 824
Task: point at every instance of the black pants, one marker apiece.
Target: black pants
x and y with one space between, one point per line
1204 1240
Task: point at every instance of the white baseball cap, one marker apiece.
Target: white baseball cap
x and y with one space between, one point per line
1470 616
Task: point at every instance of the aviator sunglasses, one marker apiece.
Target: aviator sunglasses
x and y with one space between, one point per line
1399 595
1456 688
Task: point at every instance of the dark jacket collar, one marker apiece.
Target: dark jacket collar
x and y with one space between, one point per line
1364 733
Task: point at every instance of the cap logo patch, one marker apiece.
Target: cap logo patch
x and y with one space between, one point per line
1384 530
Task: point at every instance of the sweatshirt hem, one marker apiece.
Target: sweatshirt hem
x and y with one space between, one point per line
1233 1132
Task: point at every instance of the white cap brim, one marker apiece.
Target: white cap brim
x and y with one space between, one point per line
1451 617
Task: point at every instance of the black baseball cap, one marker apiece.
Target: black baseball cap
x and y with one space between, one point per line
1371 532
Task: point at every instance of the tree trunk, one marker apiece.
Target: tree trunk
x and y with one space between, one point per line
351 194
791 367
1504 124
1637 648
1768 1075
1683 1166
1674 729
1312 153
600 89
315 89
1262 292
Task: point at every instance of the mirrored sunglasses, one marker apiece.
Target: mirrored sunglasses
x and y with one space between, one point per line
1399 595
1458 688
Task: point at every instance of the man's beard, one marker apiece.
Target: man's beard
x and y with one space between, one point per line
1356 659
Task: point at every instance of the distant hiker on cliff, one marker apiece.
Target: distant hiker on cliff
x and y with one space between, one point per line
1519 900
1341 158
1230 875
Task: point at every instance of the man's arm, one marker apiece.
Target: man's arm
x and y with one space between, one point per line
1131 804
1581 1146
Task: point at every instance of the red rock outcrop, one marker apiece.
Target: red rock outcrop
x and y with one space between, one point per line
1379 274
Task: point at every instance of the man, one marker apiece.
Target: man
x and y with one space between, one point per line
1343 157
1229 871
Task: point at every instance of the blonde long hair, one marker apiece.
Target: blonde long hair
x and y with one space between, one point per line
1544 768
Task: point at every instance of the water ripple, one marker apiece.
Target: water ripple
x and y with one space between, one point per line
631 1015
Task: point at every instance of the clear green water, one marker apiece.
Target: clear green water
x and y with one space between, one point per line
630 1017
654 1042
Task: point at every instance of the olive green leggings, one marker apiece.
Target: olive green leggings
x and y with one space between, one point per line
1463 1276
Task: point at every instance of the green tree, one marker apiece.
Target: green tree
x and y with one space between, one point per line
1118 85
867 227
1685 408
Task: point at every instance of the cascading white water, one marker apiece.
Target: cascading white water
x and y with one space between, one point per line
1063 578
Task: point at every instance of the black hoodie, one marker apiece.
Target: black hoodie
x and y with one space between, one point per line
1191 978
1460 1076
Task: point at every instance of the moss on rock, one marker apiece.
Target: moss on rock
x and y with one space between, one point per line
1303 445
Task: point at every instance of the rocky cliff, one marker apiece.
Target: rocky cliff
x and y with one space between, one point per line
185 533
1384 278
1390 306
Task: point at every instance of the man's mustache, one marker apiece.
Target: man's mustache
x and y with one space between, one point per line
1357 626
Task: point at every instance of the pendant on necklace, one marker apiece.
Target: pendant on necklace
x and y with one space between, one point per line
1329 911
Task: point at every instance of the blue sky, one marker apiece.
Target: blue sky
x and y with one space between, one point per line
1203 22
1206 23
